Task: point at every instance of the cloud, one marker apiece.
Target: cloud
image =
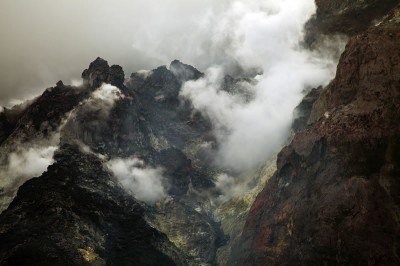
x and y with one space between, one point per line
143 181
230 187
104 98
21 165
99 104
268 35
28 162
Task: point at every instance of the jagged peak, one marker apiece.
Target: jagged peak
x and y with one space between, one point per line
100 72
184 72
60 83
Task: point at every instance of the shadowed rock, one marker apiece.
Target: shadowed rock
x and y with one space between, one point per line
99 72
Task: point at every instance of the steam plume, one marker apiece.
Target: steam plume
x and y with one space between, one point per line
269 34
144 182
21 165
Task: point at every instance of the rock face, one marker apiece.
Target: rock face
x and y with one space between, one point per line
334 199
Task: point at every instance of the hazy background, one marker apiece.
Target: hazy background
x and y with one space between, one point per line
43 41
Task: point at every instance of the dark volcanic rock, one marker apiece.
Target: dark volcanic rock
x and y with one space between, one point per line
77 214
177 169
184 72
350 17
99 72
334 199
43 115
116 77
6 126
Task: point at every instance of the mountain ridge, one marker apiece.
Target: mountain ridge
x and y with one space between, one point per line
330 197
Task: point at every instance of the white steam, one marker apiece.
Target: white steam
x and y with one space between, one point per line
143 181
104 98
230 186
25 163
21 165
90 117
268 36
22 161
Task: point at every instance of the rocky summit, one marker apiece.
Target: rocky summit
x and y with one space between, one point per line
86 217
127 172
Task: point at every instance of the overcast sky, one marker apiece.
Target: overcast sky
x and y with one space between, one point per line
43 41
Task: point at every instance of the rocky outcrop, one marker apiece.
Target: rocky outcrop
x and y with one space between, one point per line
184 72
334 199
99 72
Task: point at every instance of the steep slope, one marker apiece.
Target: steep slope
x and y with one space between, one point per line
334 199
109 118
76 213
31 127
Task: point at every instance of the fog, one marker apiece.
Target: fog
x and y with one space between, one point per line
144 182
22 164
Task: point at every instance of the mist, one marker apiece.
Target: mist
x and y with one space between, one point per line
144 182
102 100
21 165
250 131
